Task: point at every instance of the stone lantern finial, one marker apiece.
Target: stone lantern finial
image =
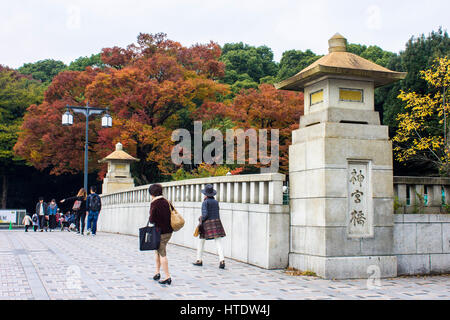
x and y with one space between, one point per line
337 43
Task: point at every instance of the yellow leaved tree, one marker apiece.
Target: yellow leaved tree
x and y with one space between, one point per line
423 135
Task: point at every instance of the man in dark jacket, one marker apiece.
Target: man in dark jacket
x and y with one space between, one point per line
42 212
93 206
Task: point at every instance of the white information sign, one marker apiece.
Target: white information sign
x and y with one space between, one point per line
7 216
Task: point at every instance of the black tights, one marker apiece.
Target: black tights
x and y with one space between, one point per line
81 216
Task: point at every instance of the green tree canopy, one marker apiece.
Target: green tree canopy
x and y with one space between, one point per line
419 55
245 63
17 93
43 70
82 63
372 53
294 61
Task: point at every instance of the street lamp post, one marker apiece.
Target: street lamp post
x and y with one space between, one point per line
67 120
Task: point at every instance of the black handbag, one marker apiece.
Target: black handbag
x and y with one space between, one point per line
149 238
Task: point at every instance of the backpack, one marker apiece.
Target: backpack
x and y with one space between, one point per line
95 203
176 220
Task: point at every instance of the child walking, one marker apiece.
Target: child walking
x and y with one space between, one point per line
27 222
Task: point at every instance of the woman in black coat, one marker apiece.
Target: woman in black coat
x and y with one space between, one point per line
160 216
210 227
80 209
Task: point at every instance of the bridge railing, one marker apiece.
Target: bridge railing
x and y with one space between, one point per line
251 210
422 195
250 189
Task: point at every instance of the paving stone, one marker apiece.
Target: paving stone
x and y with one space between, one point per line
62 266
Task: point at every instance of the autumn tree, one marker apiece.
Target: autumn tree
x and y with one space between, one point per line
419 54
17 92
262 108
151 88
423 136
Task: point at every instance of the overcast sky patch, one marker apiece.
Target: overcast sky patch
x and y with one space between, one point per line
33 30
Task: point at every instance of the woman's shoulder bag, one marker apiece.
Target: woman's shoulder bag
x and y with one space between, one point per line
176 219
76 205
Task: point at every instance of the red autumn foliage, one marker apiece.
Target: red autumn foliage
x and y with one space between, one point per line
148 88
237 171
262 108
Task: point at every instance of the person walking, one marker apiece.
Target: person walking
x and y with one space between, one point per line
27 222
79 207
94 206
160 216
41 211
52 210
210 226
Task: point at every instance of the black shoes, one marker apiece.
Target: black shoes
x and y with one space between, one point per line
158 276
198 263
167 281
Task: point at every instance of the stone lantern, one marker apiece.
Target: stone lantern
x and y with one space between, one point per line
341 169
118 176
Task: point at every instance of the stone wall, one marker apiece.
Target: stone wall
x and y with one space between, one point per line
257 223
251 209
422 243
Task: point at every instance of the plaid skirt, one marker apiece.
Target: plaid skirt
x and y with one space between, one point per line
212 229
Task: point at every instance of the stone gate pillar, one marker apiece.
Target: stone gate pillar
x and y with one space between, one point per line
341 174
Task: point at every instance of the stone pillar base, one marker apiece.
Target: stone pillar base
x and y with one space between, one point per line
111 185
340 268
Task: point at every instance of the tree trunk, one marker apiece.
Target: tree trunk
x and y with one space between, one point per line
4 191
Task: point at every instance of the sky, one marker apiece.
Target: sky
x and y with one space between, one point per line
32 30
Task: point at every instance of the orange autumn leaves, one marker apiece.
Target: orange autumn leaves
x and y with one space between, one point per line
265 108
151 88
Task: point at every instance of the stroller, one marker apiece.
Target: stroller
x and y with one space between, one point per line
35 221
67 222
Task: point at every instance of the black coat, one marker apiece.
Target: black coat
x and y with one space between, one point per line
45 208
83 203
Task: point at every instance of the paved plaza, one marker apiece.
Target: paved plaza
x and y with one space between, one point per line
63 265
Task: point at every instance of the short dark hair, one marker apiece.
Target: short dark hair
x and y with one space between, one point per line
155 190
94 189
41 198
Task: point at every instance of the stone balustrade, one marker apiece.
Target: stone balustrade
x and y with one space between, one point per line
421 195
251 209
245 189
